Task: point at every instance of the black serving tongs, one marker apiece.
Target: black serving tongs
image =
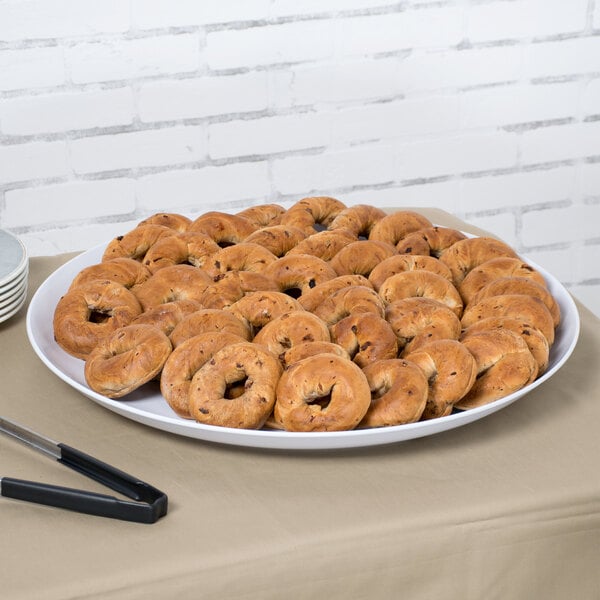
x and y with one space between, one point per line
150 504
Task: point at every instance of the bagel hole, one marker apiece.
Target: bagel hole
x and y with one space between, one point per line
235 389
322 401
294 292
98 316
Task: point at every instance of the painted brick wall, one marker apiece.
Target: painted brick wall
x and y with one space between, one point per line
489 109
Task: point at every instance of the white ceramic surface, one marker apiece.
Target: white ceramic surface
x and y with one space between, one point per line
13 257
147 406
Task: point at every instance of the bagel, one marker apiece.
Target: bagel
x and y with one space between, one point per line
361 257
183 363
535 340
322 393
223 228
298 273
310 299
190 248
305 349
313 212
179 282
450 370
407 262
125 271
399 393
417 321
249 369
135 243
358 219
258 308
421 284
90 312
495 268
245 256
208 320
528 308
504 365
289 329
126 359
232 286
166 316
277 239
396 226
463 256
175 221
520 285
366 337
263 215
324 244
347 301
431 241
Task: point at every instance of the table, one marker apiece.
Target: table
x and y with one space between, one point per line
506 507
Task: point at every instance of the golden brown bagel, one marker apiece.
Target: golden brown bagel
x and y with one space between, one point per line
535 340
183 363
520 285
290 329
324 244
399 393
359 219
250 368
179 282
126 359
495 268
366 337
310 213
135 243
431 241
463 256
306 349
167 316
504 366
209 320
91 312
245 256
258 308
361 257
322 393
394 227
174 221
528 308
277 239
421 284
407 262
126 271
299 273
310 299
223 228
191 248
347 301
450 370
417 321
263 215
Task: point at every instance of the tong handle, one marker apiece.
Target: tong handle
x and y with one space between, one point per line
77 500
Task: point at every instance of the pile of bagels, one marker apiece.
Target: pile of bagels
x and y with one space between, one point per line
318 317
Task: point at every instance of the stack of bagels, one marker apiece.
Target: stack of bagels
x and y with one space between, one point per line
319 317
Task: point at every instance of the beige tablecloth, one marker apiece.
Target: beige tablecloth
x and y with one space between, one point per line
506 507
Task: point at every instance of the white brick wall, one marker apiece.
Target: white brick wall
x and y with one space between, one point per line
487 109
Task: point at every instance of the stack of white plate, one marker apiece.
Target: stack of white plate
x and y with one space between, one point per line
14 271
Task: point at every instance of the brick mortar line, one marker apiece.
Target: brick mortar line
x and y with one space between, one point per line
137 125
136 34
137 172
